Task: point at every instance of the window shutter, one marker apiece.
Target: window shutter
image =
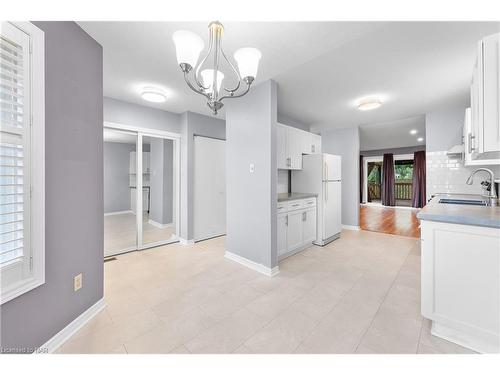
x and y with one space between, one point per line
14 145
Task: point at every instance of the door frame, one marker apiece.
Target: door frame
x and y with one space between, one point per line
140 132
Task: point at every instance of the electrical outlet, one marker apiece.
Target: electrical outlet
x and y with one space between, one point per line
78 282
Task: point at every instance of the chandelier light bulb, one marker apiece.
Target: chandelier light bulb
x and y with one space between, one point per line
248 61
188 47
207 76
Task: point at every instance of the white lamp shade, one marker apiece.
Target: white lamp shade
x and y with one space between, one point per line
188 46
207 76
248 61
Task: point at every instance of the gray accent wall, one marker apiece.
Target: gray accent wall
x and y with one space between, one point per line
444 128
345 142
193 124
140 116
74 190
116 176
252 197
161 180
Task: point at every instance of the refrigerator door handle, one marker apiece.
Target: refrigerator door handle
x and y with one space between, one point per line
326 171
326 191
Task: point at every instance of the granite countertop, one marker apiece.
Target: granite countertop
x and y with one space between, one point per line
292 196
483 216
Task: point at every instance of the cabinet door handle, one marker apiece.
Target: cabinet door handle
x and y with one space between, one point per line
288 161
471 139
286 220
312 148
304 216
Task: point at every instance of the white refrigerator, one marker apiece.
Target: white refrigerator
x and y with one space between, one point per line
321 174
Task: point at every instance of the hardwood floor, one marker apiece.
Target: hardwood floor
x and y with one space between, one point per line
390 220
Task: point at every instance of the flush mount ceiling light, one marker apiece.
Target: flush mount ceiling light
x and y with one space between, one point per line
154 95
420 139
413 131
368 104
208 82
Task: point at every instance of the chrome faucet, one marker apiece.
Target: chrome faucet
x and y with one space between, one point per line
488 185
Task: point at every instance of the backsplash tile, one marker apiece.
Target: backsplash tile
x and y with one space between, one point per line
448 175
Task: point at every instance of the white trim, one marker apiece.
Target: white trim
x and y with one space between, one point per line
183 241
37 165
159 225
144 131
118 213
351 227
252 265
65 334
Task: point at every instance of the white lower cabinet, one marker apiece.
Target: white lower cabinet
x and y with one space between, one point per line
296 226
460 279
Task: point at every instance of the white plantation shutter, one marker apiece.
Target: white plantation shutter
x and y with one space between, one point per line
14 145
22 240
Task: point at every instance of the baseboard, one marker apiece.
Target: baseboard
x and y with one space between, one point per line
351 227
118 213
183 241
159 225
65 334
252 265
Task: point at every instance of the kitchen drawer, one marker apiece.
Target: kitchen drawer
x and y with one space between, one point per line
295 205
282 207
310 202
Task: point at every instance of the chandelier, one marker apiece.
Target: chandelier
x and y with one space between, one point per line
208 82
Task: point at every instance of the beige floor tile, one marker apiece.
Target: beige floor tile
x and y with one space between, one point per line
228 335
243 349
131 326
283 334
180 350
102 340
271 304
100 321
170 335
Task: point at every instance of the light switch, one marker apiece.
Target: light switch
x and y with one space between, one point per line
252 167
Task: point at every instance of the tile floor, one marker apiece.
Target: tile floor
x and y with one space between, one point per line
359 294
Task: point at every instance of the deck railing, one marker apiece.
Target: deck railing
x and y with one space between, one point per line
402 191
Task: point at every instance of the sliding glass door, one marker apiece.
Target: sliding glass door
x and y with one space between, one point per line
141 200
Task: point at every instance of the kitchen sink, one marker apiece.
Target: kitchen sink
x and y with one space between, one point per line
470 202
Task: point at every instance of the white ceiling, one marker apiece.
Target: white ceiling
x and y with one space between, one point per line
393 134
118 136
321 67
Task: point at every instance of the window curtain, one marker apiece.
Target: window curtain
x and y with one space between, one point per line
418 182
388 181
361 182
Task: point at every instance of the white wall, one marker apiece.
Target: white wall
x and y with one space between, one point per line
444 128
345 142
252 197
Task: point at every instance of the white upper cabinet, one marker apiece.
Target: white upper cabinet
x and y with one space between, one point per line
281 146
482 125
489 132
292 143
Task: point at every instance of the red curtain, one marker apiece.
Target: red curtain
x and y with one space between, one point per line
388 181
418 199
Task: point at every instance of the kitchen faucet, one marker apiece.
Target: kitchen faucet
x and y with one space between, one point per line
488 185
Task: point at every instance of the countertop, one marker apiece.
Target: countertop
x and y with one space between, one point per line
483 216
292 196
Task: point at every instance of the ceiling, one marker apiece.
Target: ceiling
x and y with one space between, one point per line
322 68
393 134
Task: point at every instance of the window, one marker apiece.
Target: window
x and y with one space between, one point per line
22 185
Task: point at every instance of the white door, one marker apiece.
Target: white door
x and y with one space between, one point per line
331 167
294 231
309 225
281 148
282 228
209 187
331 209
